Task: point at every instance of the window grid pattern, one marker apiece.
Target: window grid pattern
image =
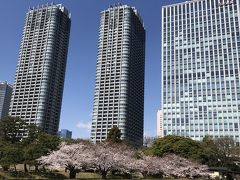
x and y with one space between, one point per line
120 52
39 80
5 98
200 76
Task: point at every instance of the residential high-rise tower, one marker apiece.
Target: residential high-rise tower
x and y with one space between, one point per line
39 81
200 68
5 98
119 88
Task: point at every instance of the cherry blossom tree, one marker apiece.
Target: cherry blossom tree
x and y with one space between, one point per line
108 157
111 157
147 166
170 166
103 158
70 157
175 166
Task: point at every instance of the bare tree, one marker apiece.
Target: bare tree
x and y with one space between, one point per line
225 146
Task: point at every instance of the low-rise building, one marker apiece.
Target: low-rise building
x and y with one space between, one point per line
159 123
65 134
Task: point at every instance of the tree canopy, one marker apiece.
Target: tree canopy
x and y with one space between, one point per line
23 143
181 146
114 135
110 157
11 129
218 152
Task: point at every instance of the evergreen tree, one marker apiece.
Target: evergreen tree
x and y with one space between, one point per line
114 135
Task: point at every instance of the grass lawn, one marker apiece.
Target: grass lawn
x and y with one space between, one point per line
58 175
31 175
48 175
82 175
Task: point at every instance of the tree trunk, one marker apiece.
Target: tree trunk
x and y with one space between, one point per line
15 167
5 167
25 168
72 173
127 176
36 168
104 174
144 174
44 169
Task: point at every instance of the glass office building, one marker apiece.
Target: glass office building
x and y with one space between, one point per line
119 88
65 134
200 68
39 80
5 98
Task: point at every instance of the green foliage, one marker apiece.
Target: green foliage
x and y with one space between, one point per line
181 146
226 153
11 129
40 146
219 152
74 141
48 142
114 135
11 154
208 153
14 149
32 132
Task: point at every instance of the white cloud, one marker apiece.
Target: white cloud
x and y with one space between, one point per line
84 125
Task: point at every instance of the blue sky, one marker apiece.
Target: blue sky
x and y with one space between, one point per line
81 66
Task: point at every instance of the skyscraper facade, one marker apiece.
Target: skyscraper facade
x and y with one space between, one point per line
39 81
5 98
159 123
119 88
200 68
65 133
